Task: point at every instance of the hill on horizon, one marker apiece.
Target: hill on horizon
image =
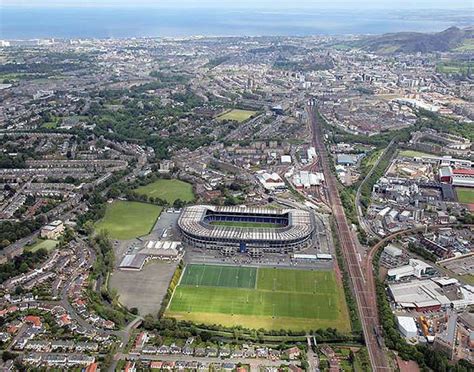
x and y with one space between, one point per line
414 42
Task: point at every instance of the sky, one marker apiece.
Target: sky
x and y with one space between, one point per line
256 4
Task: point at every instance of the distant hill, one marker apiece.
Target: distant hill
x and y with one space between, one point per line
413 42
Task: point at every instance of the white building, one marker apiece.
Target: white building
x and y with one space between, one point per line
393 251
271 181
414 268
407 326
286 159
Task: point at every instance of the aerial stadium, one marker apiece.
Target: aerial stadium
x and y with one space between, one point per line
247 230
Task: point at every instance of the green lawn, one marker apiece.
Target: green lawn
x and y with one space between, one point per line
256 298
454 67
302 281
219 276
169 190
465 195
127 220
413 153
244 224
47 244
236 115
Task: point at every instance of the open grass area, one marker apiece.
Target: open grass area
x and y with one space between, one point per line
236 115
245 224
370 160
302 281
53 124
127 220
413 153
466 46
47 244
219 276
169 190
465 195
454 67
256 298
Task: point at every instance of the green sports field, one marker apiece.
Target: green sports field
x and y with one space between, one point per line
260 298
236 115
219 276
169 190
245 224
125 220
465 195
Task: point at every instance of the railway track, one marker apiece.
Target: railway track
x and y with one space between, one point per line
363 286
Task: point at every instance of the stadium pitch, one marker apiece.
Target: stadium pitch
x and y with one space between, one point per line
260 298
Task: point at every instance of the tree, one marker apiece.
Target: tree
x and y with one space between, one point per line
134 311
8 355
24 267
88 227
178 204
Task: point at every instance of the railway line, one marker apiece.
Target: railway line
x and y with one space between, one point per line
363 286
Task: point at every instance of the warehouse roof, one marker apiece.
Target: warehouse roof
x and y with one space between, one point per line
419 293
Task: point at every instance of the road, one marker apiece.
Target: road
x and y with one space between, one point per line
381 243
365 295
124 336
254 363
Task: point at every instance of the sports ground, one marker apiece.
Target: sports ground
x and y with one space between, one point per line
465 195
260 298
236 115
245 224
169 190
125 220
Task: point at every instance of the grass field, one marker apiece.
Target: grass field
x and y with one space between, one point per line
465 195
256 298
47 244
454 67
219 276
370 160
127 220
412 153
169 190
245 224
466 46
236 115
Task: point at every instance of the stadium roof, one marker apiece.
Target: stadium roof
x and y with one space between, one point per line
463 171
192 221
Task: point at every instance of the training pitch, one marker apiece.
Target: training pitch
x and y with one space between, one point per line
169 190
260 298
236 115
125 220
465 195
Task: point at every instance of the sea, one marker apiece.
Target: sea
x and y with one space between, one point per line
29 23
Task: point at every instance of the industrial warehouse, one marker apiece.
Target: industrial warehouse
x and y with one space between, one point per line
246 230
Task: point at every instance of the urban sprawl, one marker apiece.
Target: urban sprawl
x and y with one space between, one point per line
237 204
